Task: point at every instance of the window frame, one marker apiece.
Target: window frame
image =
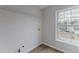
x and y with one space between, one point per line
67 41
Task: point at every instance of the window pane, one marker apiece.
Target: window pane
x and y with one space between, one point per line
75 12
61 15
68 13
75 21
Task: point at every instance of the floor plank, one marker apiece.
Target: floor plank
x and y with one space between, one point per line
44 49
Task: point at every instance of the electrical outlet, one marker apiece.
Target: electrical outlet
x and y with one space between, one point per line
23 46
38 29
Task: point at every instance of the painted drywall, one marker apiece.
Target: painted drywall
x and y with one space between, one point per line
18 29
24 9
49 17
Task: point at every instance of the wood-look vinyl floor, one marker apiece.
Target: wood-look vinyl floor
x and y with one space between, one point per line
44 49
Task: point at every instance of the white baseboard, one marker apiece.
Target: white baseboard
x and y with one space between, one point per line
55 47
32 48
47 45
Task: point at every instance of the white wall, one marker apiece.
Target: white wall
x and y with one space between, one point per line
24 9
49 30
18 29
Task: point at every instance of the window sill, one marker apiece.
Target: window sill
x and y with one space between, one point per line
69 41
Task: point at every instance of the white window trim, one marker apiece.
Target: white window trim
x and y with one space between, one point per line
66 41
